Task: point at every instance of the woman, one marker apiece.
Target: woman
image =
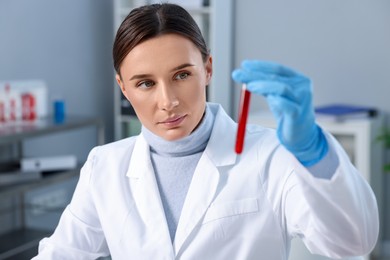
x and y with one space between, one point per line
179 191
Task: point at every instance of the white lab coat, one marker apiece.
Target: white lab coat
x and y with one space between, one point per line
238 207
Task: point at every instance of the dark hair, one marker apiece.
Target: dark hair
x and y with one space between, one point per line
149 21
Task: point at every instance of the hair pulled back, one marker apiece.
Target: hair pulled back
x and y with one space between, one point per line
149 21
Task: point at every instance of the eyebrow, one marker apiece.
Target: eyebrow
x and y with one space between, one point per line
142 76
185 65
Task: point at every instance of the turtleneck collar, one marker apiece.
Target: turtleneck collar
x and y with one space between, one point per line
194 143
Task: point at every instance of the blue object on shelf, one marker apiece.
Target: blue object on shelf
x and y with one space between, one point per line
59 111
344 111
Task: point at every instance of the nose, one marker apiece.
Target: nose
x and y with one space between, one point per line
167 98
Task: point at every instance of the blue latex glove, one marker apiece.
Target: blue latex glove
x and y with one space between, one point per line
289 97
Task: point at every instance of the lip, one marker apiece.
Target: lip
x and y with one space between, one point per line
173 121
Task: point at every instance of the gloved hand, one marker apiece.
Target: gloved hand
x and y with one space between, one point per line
289 97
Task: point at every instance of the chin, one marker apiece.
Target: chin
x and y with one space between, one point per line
176 135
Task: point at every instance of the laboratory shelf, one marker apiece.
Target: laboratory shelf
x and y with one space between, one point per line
22 241
16 132
46 180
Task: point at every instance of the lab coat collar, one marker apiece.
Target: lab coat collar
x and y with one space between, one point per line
220 148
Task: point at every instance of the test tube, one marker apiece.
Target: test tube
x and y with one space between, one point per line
242 118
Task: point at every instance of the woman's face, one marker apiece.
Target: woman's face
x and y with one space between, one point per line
164 78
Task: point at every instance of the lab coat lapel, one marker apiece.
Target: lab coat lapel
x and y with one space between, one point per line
146 196
204 185
200 194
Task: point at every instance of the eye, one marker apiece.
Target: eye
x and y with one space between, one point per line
145 84
182 75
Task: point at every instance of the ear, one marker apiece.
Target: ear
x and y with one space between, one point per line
209 69
121 85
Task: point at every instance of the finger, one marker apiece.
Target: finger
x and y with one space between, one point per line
269 67
274 88
243 76
280 105
273 71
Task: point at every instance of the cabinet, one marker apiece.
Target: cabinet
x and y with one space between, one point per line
15 244
214 17
357 136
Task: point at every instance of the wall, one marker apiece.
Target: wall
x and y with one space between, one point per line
66 43
344 46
